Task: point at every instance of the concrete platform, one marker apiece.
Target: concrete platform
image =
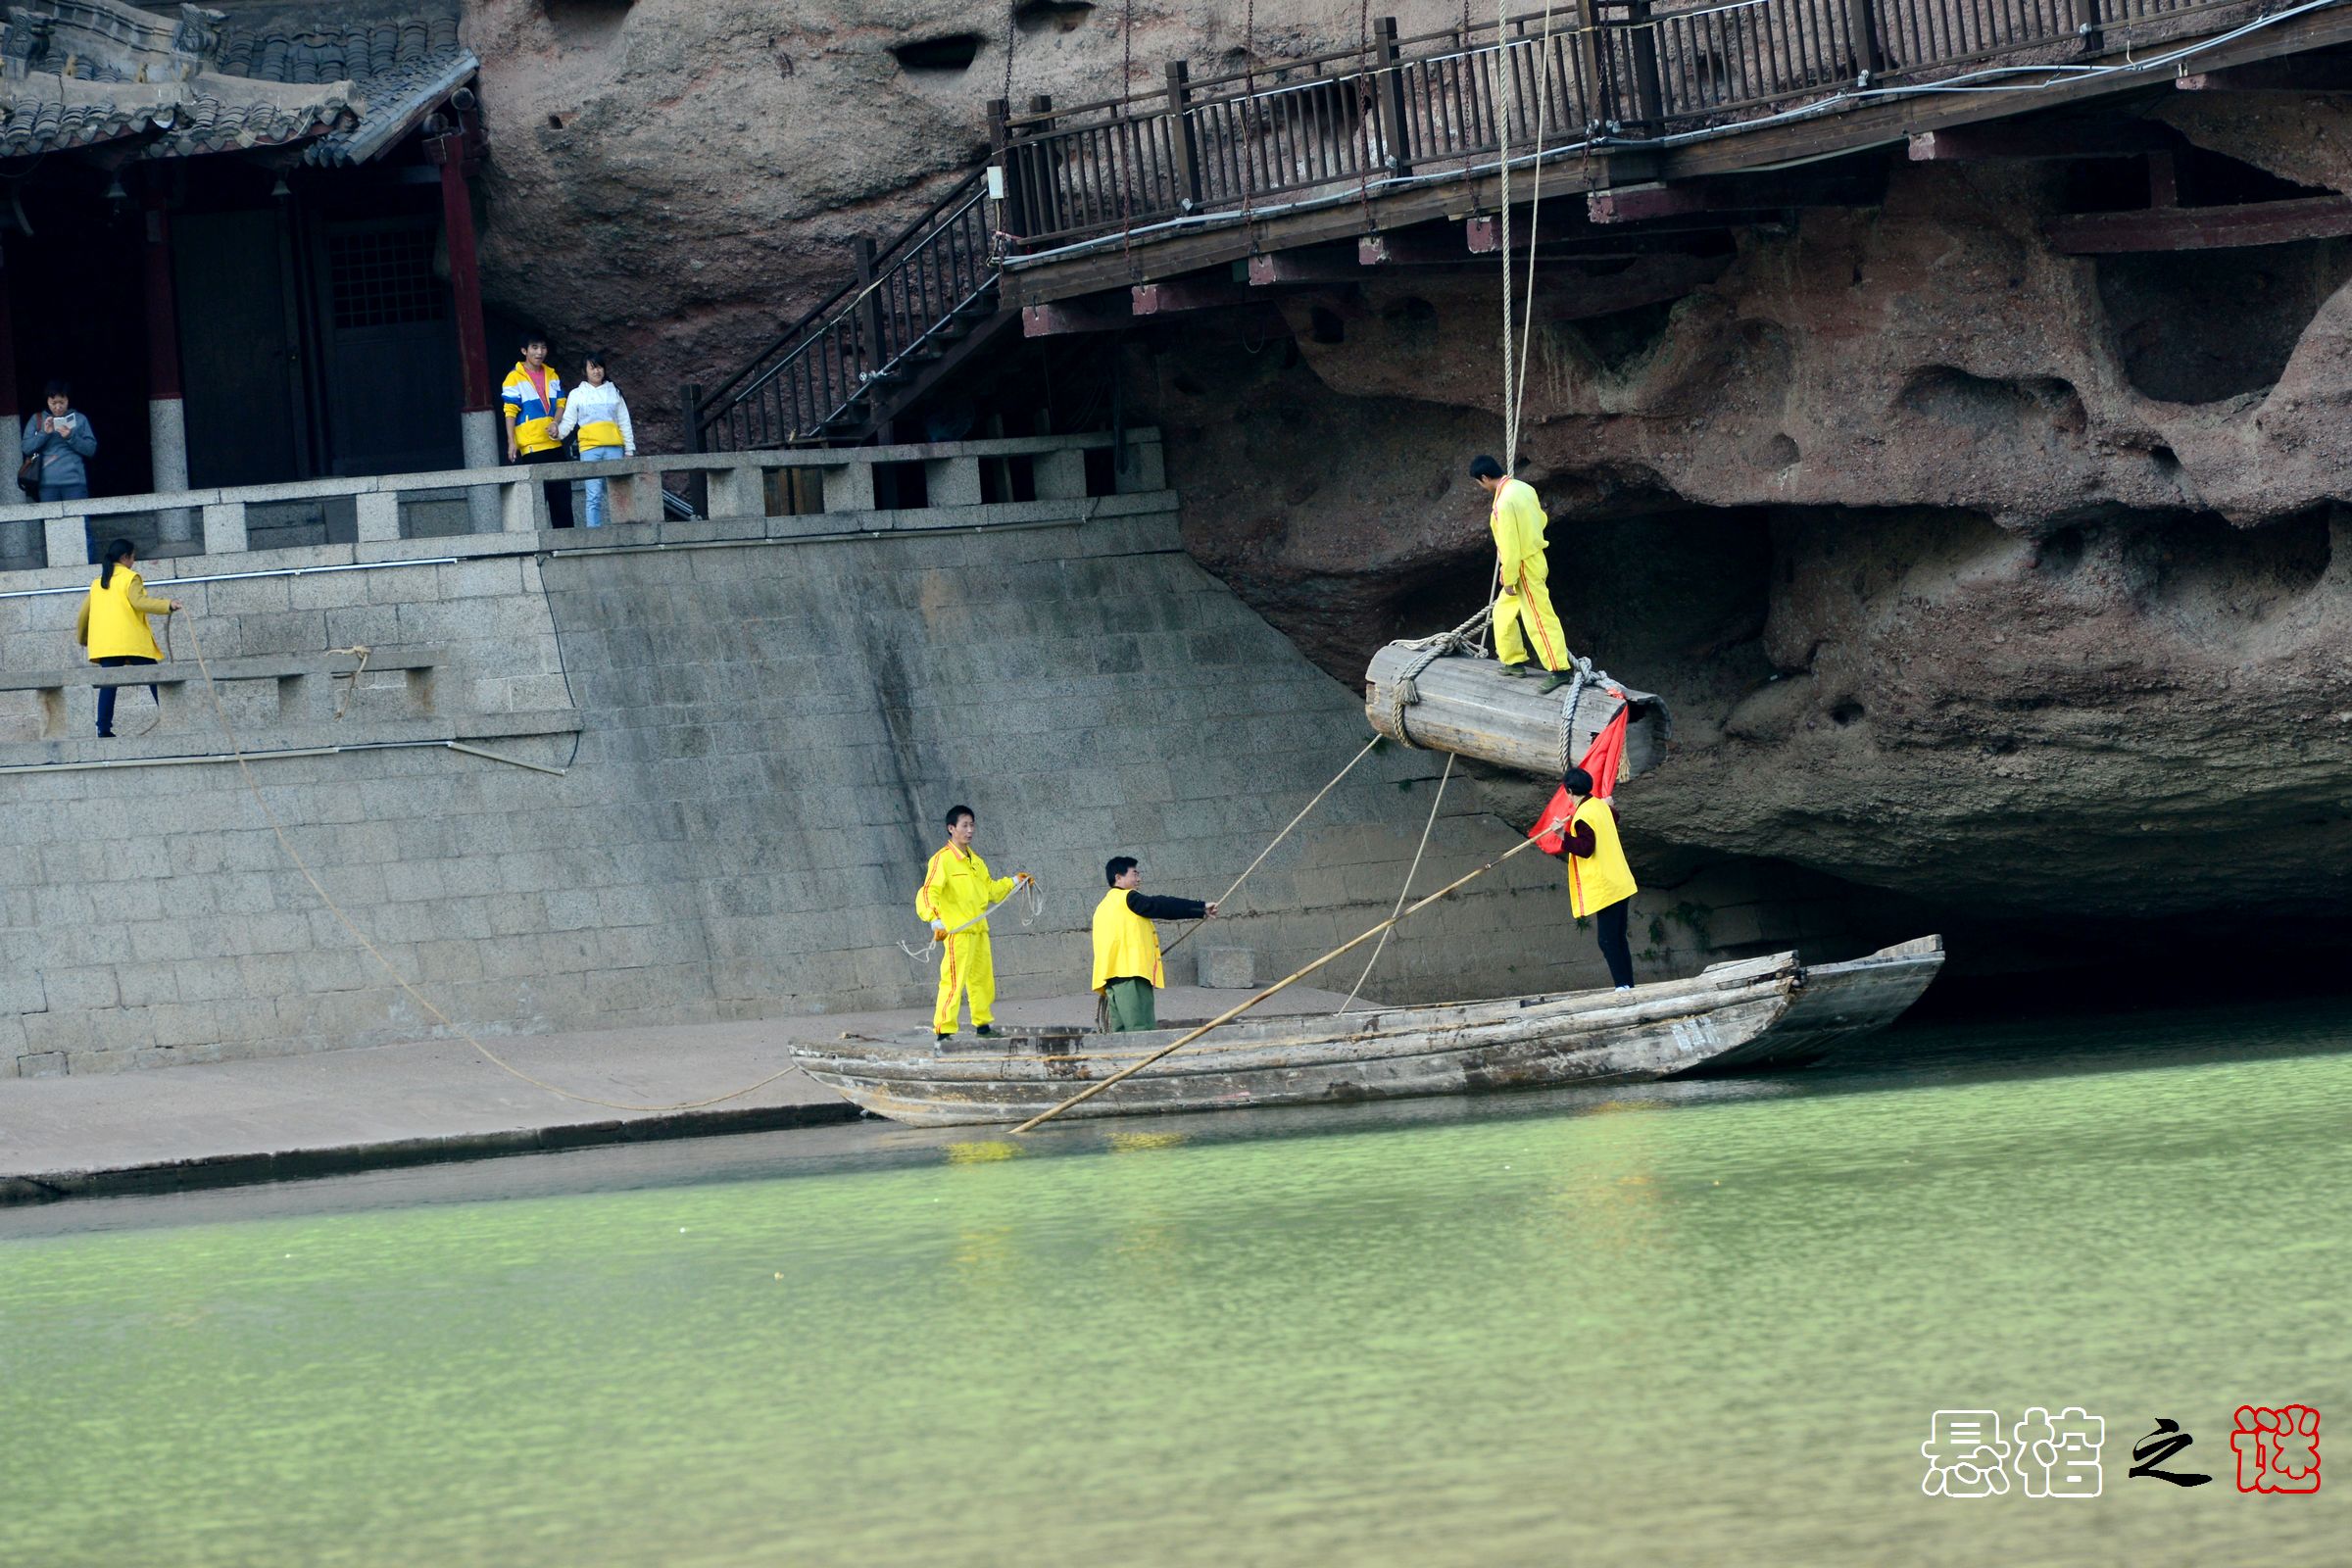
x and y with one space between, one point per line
288 1119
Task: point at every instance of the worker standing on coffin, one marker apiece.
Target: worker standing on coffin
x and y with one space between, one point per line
1599 882
1523 615
955 896
1128 973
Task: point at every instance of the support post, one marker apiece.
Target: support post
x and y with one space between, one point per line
871 357
2089 30
479 427
224 529
16 538
65 541
1181 136
1862 28
167 414
1593 90
689 410
1387 97
1648 110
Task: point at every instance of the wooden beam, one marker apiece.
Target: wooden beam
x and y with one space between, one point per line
1314 266
2200 228
2043 141
1412 249
1101 312
2291 73
1189 294
1736 194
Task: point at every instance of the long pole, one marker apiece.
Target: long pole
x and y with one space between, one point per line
1230 1013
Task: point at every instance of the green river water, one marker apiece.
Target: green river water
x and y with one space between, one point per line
1703 1324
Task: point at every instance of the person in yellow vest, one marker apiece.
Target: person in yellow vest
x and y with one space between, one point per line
1524 613
113 623
955 896
533 400
1599 882
1128 973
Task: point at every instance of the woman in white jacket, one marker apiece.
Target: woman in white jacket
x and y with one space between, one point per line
600 416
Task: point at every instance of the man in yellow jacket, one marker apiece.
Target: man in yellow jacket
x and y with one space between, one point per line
955 896
534 400
1128 973
113 623
1524 613
1600 881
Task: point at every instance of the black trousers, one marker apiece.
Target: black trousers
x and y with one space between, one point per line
559 491
106 694
1610 928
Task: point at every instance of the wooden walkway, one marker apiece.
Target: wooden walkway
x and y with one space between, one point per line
1665 124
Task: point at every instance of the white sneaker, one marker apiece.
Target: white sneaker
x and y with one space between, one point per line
1625 987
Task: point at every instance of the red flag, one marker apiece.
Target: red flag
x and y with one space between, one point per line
1602 759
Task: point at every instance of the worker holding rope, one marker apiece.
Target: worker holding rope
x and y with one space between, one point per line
1523 615
956 897
1128 971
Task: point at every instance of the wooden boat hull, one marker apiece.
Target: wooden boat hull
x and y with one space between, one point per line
1754 1013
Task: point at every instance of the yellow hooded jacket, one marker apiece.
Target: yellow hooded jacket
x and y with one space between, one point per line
1597 880
957 887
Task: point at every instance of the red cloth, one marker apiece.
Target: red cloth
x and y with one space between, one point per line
1602 760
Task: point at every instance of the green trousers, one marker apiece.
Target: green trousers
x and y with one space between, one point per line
1133 1003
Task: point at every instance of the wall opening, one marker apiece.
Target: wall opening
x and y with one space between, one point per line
944 55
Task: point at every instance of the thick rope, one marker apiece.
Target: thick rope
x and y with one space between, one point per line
1276 840
1407 891
221 712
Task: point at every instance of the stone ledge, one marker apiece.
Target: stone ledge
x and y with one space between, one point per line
31 757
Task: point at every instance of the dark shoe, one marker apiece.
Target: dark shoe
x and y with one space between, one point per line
106 734
1515 670
1553 683
986 1031
947 1037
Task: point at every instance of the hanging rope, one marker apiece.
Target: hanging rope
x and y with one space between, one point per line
1405 892
423 1002
1369 747
1249 148
1124 126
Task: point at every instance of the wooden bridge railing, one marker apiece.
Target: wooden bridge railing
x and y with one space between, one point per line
1586 72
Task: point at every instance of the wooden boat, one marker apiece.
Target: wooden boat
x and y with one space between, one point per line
1460 703
1739 1016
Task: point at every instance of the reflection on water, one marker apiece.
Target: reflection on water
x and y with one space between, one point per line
1702 1322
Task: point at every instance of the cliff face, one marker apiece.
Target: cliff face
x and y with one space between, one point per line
1977 572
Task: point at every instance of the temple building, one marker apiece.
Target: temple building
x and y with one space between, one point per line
244 234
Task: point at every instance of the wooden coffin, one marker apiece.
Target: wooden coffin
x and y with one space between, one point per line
1467 705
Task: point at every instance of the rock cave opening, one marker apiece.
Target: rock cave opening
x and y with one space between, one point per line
2203 327
943 55
589 21
1052 16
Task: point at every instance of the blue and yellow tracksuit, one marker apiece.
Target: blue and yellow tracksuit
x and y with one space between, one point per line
955 888
529 415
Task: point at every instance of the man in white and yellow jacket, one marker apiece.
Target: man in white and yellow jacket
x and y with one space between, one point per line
534 400
955 895
1128 973
1600 881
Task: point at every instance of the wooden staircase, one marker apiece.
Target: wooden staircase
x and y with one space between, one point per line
916 309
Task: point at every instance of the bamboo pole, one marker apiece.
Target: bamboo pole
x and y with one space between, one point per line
1230 1013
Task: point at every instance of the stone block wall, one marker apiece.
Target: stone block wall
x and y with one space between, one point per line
756 738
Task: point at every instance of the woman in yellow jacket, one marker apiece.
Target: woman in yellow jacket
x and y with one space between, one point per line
113 623
1599 882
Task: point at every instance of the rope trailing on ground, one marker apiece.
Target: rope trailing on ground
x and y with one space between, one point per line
1369 746
1405 891
1230 1013
244 768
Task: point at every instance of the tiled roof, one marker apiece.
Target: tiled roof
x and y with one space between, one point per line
349 78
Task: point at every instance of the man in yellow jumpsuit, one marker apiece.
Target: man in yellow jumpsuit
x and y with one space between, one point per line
956 888
1600 881
1524 613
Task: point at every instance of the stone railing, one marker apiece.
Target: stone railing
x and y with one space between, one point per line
39 542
